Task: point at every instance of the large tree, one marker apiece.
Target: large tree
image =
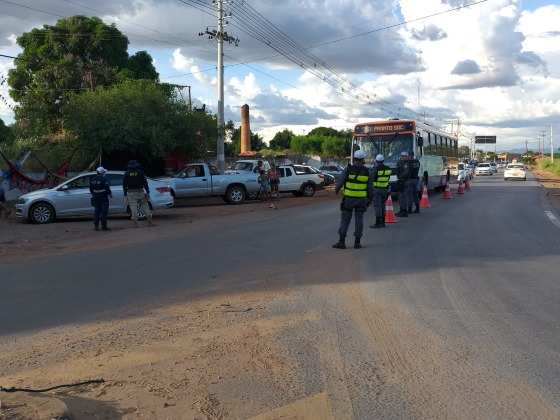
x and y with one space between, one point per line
77 53
281 140
5 132
137 119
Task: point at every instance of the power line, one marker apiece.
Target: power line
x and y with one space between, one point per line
7 56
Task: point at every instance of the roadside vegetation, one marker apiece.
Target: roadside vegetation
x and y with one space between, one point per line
547 165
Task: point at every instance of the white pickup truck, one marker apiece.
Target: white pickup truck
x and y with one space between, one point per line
203 180
297 180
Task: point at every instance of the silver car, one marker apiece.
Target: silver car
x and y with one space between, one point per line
73 198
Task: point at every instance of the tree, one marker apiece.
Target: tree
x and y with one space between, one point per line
5 133
306 145
77 53
281 140
137 119
324 131
334 147
464 151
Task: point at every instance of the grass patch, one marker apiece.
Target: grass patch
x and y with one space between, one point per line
546 165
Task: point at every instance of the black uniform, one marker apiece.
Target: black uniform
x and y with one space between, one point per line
403 174
100 193
135 180
414 166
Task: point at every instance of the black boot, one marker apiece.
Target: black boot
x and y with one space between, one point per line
357 244
341 244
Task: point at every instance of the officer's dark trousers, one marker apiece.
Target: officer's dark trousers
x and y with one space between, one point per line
350 205
379 198
412 190
101 208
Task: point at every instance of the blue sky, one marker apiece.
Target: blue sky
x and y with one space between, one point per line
512 43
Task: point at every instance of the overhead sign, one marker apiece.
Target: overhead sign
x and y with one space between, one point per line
485 139
380 128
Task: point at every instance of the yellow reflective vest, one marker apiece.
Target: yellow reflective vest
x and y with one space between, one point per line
356 184
382 176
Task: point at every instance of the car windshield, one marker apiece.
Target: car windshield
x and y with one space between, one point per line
484 165
243 166
389 146
515 166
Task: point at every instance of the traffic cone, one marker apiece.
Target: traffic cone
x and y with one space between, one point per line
467 185
425 201
389 211
447 195
461 189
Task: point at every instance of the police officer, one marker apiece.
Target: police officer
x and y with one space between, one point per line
403 174
357 195
100 193
414 166
137 191
381 174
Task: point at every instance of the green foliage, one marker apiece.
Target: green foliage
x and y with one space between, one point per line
281 140
335 147
547 165
5 133
325 146
138 118
77 53
324 132
464 151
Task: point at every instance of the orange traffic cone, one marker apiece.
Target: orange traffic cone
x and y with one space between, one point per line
447 195
390 211
425 201
467 185
461 189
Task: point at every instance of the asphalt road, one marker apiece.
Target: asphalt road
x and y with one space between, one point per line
454 313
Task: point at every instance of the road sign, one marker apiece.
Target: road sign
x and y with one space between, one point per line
485 139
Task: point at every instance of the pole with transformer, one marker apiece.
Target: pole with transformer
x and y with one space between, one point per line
220 35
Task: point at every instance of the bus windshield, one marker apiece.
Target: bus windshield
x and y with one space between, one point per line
389 146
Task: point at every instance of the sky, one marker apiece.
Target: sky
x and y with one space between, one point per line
494 66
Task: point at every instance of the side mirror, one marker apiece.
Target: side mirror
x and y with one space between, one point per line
64 188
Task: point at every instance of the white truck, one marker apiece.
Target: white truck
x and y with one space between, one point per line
203 180
297 180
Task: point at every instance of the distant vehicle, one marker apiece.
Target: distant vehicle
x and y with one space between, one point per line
203 180
515 171
494 167
334 170
471 168
463 173
73 198
434 148
484 169
297 180
328 179
501 165
248 165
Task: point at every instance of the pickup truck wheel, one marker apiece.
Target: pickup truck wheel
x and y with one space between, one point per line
308 190
235 194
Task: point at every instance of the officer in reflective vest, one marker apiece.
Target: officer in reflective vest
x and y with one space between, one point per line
403 174
100 194
357 195
413 187
381 174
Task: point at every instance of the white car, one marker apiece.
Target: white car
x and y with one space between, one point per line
515 171
73 198
484 169
297 180
463 173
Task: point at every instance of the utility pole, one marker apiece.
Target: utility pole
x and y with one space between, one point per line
220 35
551 146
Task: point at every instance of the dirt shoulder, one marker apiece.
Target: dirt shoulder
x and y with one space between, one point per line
19 240
551 183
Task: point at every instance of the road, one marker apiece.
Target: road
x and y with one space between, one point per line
451 314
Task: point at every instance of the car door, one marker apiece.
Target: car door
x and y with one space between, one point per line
116 202
194 182
74 197
288 180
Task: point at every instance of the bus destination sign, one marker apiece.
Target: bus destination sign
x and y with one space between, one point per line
389 128
485 139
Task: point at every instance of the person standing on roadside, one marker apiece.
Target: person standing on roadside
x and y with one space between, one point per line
4 209
381 175
274 179
403 175
100 193
357 195
137 192
414 166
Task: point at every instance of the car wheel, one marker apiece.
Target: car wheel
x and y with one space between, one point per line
41 213
235 194
308 190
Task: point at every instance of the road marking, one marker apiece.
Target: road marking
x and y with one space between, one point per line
552 218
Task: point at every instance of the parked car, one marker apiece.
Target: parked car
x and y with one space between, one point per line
297 180
203 180
73 198
334 170
328 179
515 171
484 169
